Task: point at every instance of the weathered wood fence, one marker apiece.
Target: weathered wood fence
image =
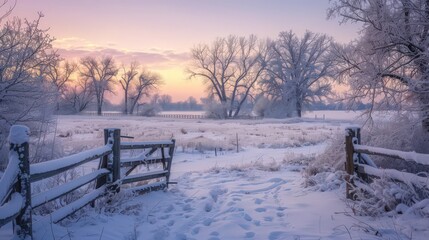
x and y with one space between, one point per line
17 201
183 116
358 163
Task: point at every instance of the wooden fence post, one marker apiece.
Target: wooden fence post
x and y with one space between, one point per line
170 153
114 159
18 139
349 165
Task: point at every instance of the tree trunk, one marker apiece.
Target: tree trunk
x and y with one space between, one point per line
298 108
99 109
133 105
126 103
424 109
424 106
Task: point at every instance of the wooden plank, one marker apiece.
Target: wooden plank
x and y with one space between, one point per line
148 188
61 190
151 151
11 209
144 176
405 177
142 145
148 160
65 211
407 156
47 169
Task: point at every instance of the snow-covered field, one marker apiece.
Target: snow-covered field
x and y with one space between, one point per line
257 193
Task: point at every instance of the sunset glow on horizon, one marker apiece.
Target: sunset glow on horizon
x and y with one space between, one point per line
159 34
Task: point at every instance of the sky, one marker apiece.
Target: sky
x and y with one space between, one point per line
160 33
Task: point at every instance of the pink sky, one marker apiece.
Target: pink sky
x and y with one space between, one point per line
159 33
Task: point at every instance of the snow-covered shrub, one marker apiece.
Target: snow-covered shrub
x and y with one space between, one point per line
402 133
299 159
382 194
331 159
324 181
214 110
149 110
385 195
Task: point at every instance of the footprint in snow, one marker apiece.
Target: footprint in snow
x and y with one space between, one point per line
278 235
195 230
260 209
187 208
207 222
208 207
249 235
169 208
247 217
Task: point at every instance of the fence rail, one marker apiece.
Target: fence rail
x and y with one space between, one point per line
358 162
17 201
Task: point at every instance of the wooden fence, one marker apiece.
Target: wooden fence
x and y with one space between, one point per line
358 161
183 116
17 201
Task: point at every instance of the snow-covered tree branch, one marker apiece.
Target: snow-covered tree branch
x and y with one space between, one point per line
389 64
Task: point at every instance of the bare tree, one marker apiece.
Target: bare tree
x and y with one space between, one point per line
231 68
128 77
389 64
298 70
25 53
80 94
101 73
147 82
59 74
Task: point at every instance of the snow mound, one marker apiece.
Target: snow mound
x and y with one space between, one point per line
19 134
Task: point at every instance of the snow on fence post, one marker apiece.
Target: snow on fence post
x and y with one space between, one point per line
352 134
114 159
18 139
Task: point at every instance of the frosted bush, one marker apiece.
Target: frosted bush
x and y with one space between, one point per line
331 159
385 195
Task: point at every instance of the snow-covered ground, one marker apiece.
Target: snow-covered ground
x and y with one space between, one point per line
257 193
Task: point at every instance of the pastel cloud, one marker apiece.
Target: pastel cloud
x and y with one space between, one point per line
76 48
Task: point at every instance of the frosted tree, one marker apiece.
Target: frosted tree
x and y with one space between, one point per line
389 64
146 83
298 70
25 94
231 67
128 76
101 73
